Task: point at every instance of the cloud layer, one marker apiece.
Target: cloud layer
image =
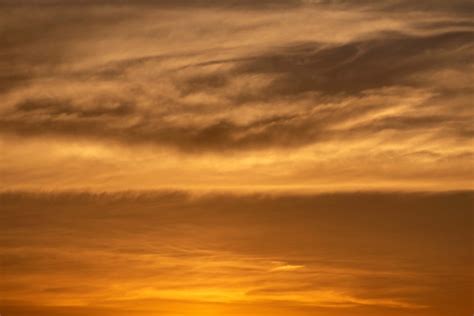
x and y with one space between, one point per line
240 82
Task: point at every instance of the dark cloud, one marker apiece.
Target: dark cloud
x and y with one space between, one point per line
386 60
221 135
381 60
331 73
461 7
36 50
234 4
57 108
346 89
455 6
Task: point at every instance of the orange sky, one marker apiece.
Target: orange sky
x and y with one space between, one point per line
173 253
236 157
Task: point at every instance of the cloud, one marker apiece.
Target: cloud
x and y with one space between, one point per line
287 267
268 96
335 75
386 60
246 82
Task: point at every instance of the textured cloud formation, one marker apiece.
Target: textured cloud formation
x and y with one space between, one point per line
239 81
182 254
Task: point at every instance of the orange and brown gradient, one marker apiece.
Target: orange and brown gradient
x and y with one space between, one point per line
236 157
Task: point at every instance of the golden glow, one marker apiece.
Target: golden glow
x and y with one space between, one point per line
224 253
195 157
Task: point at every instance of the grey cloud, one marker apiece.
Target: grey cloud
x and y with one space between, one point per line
460 7
455 6
37 49
54 108
234 4
386 60
444 124
381 60
312 73
220 135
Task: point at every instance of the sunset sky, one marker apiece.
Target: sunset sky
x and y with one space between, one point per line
236 157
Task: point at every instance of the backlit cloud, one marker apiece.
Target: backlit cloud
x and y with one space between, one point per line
236 78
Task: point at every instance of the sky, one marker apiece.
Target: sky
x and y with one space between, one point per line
236 157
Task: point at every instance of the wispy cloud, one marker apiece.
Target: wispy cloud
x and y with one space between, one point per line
240 82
